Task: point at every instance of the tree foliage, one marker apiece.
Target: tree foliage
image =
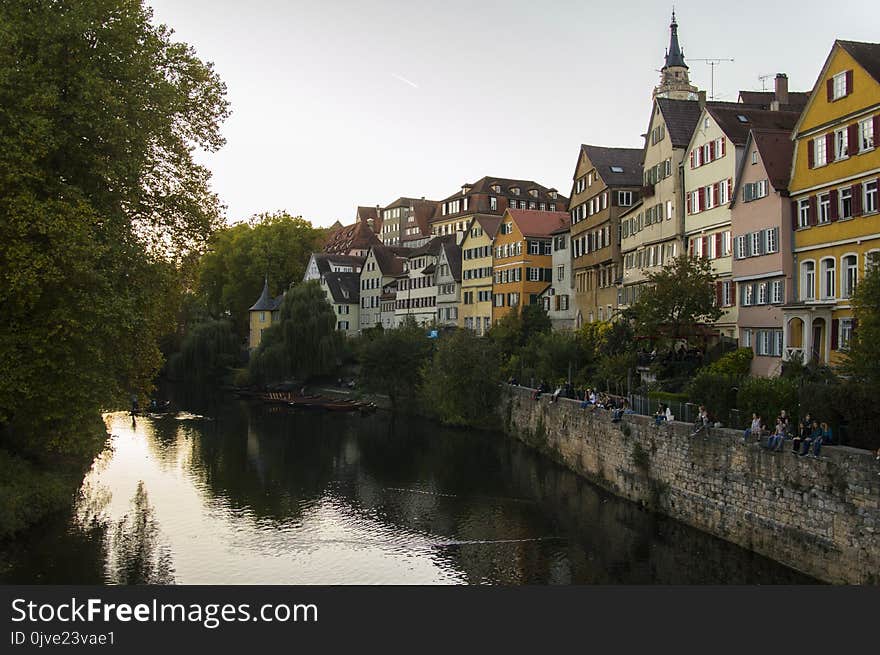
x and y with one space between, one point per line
677 299
208 350
240 257
863 360
392 361
461 384
304 343
100 198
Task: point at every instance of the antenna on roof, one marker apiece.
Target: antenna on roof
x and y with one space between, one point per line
764 79
713 62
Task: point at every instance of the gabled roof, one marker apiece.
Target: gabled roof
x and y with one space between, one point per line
453 258
390 259
344 287
489 223
629 159
681 118
431 248
776 149
265 303
737 130
866 54
537 223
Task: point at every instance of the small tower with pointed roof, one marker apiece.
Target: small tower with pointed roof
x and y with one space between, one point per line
674 79
262 314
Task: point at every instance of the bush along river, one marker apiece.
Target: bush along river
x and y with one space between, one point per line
231 493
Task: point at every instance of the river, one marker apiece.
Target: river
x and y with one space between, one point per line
233 493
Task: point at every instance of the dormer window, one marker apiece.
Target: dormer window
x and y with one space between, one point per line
496 188
514 190
553 194
533 193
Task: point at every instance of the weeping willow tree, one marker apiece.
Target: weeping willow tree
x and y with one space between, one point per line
304 343
207 352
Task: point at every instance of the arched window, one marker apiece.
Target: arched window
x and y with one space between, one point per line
808 280
829 276
850 275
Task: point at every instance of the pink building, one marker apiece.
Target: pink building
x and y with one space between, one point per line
762 245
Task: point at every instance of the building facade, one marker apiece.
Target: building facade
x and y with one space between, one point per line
558 299
382 266
262 314
417 284
834 194
476 274
448 284
762 246
607 182
523 258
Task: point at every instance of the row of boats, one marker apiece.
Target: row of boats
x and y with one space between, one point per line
307 401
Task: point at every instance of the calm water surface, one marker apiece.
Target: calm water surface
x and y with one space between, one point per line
239 494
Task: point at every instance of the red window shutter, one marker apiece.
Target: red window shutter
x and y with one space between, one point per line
852 139
811 154
718 293
723 145
835 331
813 210
829 89
876 130
715 193
832 196
794 215
849 82
718 244
857 199
830 155
706 247
691 248
692 159
712 153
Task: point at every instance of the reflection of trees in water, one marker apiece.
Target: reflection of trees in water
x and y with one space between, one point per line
136 554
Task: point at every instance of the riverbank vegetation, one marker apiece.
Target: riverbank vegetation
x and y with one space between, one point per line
101 206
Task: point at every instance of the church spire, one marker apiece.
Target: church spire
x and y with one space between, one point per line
674 55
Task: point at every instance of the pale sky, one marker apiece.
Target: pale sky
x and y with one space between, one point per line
346 103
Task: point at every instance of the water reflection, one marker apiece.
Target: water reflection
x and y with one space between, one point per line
251 495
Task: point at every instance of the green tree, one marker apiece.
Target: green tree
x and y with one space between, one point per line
392 361
208 350
100 198
461 384
863 360
677 299
240 257
304 343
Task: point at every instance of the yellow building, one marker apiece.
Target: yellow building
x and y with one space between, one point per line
834 194
262 315
476 274
523 258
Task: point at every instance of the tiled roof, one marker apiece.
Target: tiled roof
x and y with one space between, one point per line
737 130
344 287
681 118
357 236
797 100
488 223
432 247
453 257
485 184
777 149
324 259
390 259
537 223
866 54
629 159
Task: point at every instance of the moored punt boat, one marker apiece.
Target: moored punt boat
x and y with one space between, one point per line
315 402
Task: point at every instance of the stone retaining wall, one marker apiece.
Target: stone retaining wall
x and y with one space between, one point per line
818 516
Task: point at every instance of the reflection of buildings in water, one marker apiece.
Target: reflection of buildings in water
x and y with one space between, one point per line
136 553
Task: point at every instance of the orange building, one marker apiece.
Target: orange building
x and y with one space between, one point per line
522 263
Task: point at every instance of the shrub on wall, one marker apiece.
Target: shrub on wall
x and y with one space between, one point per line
717 392
767 397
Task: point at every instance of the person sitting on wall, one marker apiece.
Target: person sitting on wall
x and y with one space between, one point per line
660 415
555 397
805 443
786 421
756 429
702 422
805 433
669 416
774 443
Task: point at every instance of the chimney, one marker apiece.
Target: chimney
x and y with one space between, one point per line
781 89
701 95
